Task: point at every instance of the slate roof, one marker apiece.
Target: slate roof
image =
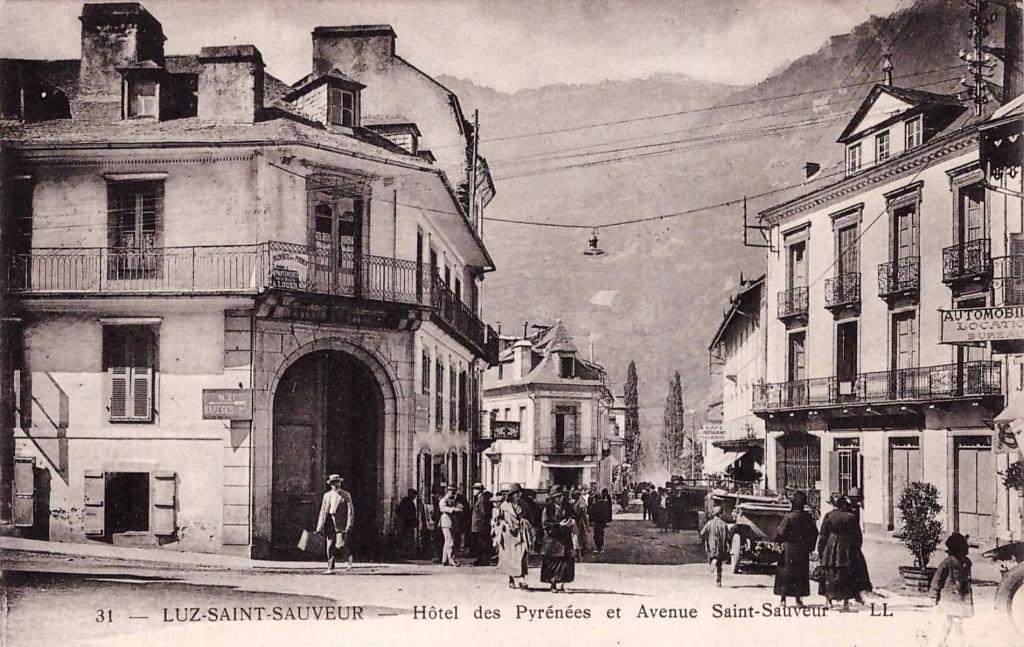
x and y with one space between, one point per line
917 98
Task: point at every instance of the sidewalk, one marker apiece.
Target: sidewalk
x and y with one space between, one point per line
162 557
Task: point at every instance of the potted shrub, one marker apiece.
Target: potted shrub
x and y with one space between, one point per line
920 532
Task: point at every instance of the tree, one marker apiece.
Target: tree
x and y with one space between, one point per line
673 434
633 442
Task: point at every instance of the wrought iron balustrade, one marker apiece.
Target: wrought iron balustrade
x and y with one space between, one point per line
967 260
793 302
842 290
549 445
902 275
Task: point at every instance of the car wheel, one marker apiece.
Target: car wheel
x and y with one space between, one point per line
1010 597
736 552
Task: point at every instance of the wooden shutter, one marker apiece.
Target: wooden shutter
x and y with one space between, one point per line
142 394
93 512
119 389
1014 292
164 485
833 472
24 491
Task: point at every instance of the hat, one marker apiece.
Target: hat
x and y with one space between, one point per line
451 488
556 490
478 486
956 543
515 487
854 493
335 478
798 499
716 511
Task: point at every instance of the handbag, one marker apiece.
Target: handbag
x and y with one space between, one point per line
312 542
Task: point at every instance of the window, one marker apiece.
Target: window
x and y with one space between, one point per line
971 213
501 370
130 362
847 251
565 428
127 502
566 366
882 146
853 160
439 394
135 229
798 264
453 412
904 234
142 99
419 265
846 462
344 108
425 372
846 358
904 346
914 132
464 386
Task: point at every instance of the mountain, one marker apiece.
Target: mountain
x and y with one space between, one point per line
671 277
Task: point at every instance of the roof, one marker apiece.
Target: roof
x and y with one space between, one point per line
734 306
917 98
405 127
1013 108
545 345
310 81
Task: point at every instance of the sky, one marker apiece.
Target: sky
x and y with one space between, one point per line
507 46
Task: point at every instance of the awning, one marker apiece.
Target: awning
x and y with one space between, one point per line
1009 427
723 461
1014 410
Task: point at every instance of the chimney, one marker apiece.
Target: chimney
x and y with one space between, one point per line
230 84
114 35
522 361
353 49
887 69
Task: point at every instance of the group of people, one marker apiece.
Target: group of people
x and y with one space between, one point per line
665 507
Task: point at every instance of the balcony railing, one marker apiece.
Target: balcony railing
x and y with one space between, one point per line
246 269
903 275
571 446
921 384
843 290
793 302
967 260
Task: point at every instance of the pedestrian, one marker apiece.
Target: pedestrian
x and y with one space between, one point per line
450 511
557 566
951 588
797 532
411 522
645 502
860 564
654 502
715 537
839 554
337 515
480 527
582 525
469 536
513 535
623 500
600 512
461 528
436 536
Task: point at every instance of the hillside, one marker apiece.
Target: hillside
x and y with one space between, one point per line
671 277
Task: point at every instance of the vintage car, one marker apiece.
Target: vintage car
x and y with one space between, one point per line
1010 594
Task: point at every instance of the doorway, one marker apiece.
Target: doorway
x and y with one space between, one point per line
974 493
904 468
328 419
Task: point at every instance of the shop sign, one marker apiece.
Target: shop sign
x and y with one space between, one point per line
979 325
227 404
712 431
288 269
505 430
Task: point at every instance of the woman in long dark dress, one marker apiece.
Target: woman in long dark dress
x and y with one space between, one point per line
797 532
557 563
840 559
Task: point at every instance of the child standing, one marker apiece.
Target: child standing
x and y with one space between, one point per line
715 536
951 588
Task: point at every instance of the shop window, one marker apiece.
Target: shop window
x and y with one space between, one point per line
130 363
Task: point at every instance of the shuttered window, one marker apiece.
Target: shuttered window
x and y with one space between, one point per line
439 395
425 372
24 491
453 388
130 361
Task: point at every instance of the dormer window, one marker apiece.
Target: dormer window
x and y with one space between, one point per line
853 159
343 109
566 366
143 98
882 146
915 132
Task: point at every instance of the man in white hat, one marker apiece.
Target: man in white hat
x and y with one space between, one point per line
335 521
449 508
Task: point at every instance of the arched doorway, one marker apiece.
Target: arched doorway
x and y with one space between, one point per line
328 419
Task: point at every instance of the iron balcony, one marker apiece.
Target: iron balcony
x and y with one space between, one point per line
549 445
244 269
899 276
843 290
967 261
793 302
922 384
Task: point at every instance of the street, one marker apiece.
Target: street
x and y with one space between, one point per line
52 598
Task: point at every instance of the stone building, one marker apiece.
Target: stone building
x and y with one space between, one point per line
547 415
866 387
222 288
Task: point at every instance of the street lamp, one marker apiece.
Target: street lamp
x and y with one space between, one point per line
593 250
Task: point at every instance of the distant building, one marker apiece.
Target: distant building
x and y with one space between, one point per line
738 351
220 288
875 383
547 414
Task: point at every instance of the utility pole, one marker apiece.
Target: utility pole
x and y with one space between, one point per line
474 217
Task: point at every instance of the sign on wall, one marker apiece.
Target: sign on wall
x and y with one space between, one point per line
973 325
227 404
505 430
712 431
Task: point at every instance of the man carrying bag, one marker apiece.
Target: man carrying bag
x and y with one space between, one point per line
335 521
